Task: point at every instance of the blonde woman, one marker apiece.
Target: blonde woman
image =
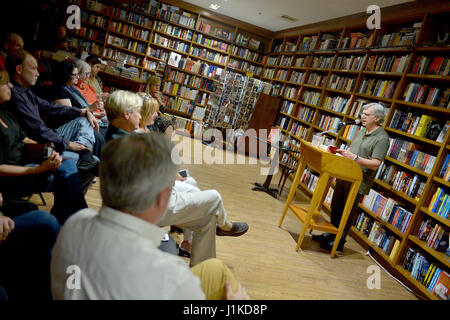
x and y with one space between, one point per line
149 112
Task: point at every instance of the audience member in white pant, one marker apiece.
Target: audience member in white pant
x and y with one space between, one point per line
200 211
149 112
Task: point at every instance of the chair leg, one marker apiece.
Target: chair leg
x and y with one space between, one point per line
42 198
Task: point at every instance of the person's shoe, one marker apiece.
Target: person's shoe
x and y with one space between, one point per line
88 162
237 229
329 245
182 252
324 237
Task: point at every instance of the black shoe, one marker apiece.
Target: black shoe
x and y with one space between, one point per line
176 229
324 237
329 245
237 229
88 163
182 252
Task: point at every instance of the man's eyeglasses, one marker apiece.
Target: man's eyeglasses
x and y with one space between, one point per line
366 114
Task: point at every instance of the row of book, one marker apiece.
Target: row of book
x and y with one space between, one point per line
432 233
289 46
150 65
244 66
302 62
130 30
408 153
401 181
405 37
311 97
269 73
356 109
283 122
440 203
287 106
211 43
342 83
93 34
291 92
306 114
387 209
286 61
214 31
350 63
436 280
426 94
378 87
444 173
387 63
322 62
174 30
246 54
182 91
308 43
93 19
98 6
125 43
377 235
171 43
328 41
351 131
419 125
328 122
180 104
337 103
133 17
86 45
157 53
130 59
355 40
198 67
174 14
299 131
297 77
281 74
438 65
209 55
189 80
271 61
317 79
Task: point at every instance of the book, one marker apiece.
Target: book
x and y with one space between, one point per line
441 288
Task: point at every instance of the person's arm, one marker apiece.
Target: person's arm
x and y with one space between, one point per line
6 227
27 140
50 164
63 102
372 164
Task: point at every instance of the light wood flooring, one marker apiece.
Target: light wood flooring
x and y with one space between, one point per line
264 260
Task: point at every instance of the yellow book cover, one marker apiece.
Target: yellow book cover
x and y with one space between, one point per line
430 206
394 249
423 124
429 274
383 88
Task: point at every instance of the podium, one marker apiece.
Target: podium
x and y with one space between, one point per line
328 165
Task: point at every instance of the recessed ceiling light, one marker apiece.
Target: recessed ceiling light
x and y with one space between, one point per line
214 6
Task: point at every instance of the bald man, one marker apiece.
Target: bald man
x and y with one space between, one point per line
11 44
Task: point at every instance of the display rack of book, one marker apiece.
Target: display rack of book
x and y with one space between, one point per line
247 53
405 67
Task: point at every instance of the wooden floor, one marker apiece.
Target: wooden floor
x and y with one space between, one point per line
264 260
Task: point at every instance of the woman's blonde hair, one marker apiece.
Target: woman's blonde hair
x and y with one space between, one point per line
149 106
121 101
4 77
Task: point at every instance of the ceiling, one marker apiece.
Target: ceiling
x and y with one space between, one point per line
267 13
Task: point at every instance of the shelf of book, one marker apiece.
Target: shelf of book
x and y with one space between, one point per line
444 221
371 245
384 223
417 284
413 136
442 257
441 181
407 166
401 194
131 23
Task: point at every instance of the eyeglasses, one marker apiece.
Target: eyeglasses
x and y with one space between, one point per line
366 114
75 75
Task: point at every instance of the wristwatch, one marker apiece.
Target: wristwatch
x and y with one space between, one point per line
356 158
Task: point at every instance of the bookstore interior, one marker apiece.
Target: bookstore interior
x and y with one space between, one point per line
317 88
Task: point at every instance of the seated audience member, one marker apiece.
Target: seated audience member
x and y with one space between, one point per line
11 44
74 134
84 72
153 88
44 82
25 251
94 80
19 178
136 175
123 111
150 117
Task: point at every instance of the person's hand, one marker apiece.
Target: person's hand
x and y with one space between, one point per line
6 227
179 177
346 154
75 146
93 121
1 199
240 293
52 163
96 105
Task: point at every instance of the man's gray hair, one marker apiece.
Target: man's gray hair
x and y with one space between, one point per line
134 169
378 111
82 66
121 101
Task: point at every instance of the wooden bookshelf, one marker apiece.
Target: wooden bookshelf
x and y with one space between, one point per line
389 60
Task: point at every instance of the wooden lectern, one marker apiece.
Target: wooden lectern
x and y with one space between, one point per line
328 165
